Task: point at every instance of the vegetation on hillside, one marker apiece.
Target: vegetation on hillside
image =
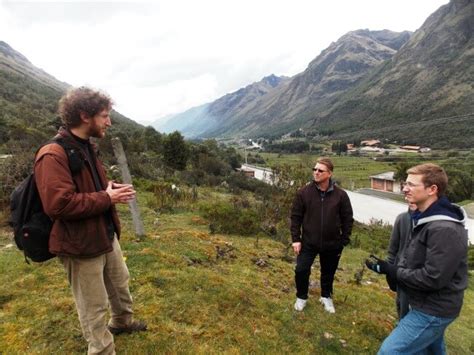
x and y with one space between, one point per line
217 245
204 291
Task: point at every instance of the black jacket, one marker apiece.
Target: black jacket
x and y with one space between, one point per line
401 233
320 219
432 269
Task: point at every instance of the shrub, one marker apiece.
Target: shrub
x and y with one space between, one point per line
167 196
12 171
373 237
237 181
470 257
235 217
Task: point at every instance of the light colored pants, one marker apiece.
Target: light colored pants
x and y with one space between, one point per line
96 283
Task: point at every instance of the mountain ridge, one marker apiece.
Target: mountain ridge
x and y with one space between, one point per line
323 78
338 67
428 79
28 103
373 83
199 119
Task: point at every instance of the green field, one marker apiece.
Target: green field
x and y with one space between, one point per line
351 172
209 293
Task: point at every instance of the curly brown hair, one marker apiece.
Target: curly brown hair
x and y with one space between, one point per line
85 100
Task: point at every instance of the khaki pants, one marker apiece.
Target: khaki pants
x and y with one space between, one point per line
97 283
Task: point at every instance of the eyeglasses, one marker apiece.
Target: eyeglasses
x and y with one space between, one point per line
320 170
410 185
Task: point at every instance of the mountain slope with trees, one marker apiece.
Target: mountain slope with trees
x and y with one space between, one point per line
407 88
28 104
338 68
198 121
424 94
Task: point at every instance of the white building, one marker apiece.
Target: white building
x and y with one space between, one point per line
262 174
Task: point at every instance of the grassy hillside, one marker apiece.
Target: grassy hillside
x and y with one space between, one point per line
28 104
210 293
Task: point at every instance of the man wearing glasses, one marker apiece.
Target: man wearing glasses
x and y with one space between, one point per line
321 224
432 268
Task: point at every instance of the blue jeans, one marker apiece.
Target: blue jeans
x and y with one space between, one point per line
417 333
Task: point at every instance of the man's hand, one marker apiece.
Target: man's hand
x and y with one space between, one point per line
120 193
382 267
296 247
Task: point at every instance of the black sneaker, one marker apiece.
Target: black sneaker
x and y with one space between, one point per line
135 326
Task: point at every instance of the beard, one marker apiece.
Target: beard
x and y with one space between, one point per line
97 130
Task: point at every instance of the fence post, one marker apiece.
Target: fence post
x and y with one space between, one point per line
127 179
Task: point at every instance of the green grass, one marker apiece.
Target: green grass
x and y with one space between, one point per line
351 172
198 301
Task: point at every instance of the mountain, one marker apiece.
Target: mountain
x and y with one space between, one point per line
251 111
424 94
201 119
190 123
28 103
338 68
411 88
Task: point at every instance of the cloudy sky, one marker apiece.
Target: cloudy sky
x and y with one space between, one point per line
161 57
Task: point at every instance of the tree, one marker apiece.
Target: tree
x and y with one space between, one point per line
152 139
175 151
401 170
461 183
339 147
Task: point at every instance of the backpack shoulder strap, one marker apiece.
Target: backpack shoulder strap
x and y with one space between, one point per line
76 158
73 152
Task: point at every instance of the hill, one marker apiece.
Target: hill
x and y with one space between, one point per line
199 120
337 69
28 103
424 94
408 88
210 293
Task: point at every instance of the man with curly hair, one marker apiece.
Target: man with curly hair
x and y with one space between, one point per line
86 230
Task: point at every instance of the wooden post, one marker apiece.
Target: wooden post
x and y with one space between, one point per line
127 179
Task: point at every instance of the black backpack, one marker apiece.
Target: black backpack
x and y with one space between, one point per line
30 224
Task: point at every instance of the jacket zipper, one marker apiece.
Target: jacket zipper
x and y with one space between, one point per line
322 218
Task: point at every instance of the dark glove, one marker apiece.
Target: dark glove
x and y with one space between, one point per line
382 267
392 284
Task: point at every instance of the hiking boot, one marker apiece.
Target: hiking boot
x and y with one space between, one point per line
300 304
328 305
135 326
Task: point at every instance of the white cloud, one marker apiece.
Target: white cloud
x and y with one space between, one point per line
160 57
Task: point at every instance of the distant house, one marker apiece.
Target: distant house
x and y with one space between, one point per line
247 172
415 148
370 143
257 172
384 182
370 149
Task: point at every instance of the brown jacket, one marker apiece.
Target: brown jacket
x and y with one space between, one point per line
78 210
321 220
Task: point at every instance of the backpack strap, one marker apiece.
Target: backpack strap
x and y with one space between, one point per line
75 157
73 151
